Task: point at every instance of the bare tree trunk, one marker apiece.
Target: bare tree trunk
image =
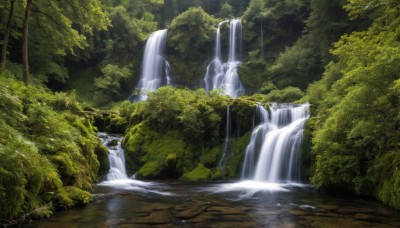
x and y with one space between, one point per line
6 36
25 62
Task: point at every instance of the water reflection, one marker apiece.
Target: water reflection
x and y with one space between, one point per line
137 186
174 204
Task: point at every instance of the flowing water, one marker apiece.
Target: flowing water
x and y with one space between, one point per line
155 67
214 205
273 153
116 156
227 149
124 202
221 75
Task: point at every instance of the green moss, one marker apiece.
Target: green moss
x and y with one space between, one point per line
242 112
150 170
113 143
79 196
288 94
233 167
218 175
144 147
117 124
47 150
171 161
307 157
210 157
43 212
200 173
102 156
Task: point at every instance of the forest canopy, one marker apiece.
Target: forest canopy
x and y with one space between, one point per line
71 67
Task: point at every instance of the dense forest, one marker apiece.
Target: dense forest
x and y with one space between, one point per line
69 69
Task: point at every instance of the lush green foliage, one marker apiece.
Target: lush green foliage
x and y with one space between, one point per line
176 129
50 155
286 95
47 147
56 29
356 127
108 87
304 62
190 38
269 27
200 173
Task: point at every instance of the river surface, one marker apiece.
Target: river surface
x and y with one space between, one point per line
130 203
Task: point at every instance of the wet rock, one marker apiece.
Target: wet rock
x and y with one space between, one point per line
335 222
225 210
298 212
156 217
367 217
325 214
189 211
328 207
203 218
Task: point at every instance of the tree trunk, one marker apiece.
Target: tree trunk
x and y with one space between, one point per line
25 63
6 36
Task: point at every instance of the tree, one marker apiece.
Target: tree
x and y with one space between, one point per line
7 36
270 27
226 11
357 120
304 61
108 87
25 64
65 25
190 36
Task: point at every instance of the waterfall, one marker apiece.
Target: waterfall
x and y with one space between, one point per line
235 39
224 75
227 142
273 153
154 65
115 156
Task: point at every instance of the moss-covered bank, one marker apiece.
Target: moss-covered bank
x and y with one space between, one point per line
170 134
49 151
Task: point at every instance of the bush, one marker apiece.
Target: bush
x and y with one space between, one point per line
286 95
48 150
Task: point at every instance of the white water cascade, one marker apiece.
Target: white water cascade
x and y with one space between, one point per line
117 177
273 153
227 142
154 65
115 156
224 75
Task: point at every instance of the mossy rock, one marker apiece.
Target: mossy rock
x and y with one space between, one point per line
200 173
72 196
211 157
218 175
113 142
242 112
232 169
102 156
150 170
116 124
144 148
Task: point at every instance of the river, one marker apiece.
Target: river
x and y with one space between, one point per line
131 203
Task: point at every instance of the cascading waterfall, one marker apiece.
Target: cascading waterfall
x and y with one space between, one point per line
273 153
224 75
115 156
227 142
154 65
